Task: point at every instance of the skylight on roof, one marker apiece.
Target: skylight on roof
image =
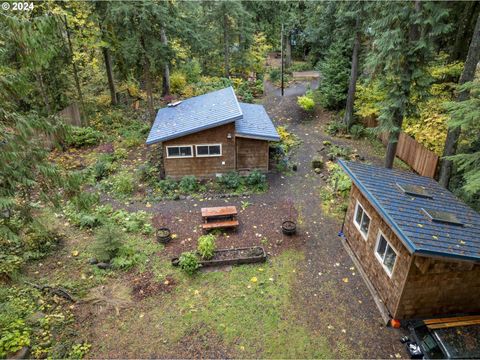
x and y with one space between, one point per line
442 217
415 190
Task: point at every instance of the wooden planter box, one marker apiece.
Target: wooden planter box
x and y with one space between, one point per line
237 256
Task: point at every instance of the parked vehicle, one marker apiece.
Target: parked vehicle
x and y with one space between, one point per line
445 338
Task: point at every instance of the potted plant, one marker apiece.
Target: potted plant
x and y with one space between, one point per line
289 226
164 235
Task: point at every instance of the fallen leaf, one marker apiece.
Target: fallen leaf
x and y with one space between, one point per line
253 279
148 205
75 253
345 280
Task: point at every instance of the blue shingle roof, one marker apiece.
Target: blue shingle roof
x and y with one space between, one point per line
195 114
256 123
405 216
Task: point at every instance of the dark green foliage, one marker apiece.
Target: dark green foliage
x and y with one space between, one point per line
231 180
335 70
85 201
188 184
357 131
103 167
256 180
127 257
274 75
167 185
335 127
108 241
206 246
188 262
83 136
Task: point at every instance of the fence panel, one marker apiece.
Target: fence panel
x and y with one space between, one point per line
417 156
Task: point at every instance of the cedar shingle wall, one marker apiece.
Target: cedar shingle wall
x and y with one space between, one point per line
203 166
252 154
389 289
437 286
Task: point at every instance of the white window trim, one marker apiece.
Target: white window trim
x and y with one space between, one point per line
179 157
215 155
390 274
358 226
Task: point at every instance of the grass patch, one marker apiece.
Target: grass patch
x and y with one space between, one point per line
248 309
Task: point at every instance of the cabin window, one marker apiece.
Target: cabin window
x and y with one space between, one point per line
385 254
183 151
361 220
209 150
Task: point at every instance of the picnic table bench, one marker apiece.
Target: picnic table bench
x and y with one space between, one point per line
219 217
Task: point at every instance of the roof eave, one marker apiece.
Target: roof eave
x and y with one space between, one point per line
193 131
410 246
257 137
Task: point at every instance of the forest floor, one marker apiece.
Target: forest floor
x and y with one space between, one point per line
307 301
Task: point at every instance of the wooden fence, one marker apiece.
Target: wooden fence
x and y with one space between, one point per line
420 159
71 114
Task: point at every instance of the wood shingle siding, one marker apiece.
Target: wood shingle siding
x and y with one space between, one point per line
419 286
389 288
252 154
203 167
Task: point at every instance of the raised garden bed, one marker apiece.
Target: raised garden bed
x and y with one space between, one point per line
238 256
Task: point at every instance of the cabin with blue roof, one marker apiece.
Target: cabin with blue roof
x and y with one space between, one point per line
212 134
417 245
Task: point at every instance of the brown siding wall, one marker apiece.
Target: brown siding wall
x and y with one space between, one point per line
389 289
252 154
203 167
437 286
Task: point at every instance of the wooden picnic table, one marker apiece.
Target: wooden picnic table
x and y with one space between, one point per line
219 211
219 217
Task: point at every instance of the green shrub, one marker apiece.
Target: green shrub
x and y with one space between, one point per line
178 82
335 127
40 239
188 184
256 180
306 103
131 222
9 265
335 151
206 246
127 257
83 136
124 184
103 167
108 241
188 262
167 185
85 201
73 182
192 70
86 220
274 75
357 131
231 180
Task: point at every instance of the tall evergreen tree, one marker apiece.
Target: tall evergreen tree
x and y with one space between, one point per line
454 130
402 48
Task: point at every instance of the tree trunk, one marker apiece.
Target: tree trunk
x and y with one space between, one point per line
75 71
348 118
109 70
453 134
41 85
148 82
225 46
459 46
166 68
393 140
